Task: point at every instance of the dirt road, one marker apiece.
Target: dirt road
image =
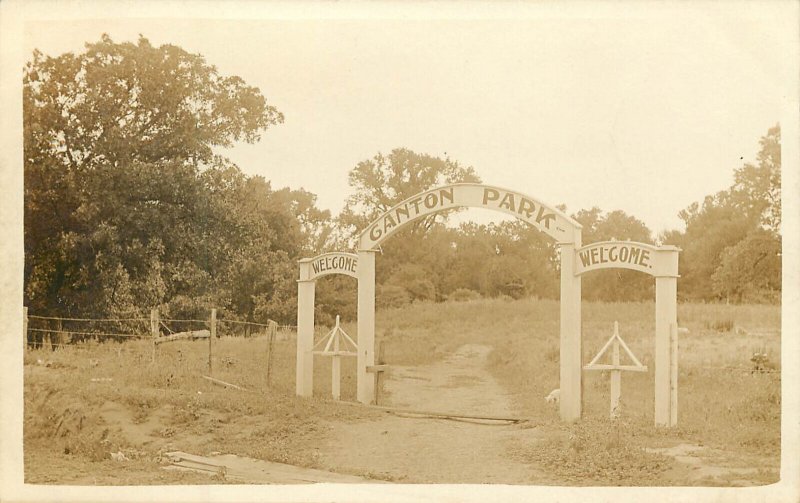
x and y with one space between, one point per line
425 450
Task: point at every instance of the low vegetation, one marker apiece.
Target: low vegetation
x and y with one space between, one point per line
69 392
87 402
525 336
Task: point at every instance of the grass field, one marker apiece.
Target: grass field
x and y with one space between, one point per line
525 336
73 395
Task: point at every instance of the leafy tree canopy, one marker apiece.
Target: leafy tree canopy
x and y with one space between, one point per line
724 233
385 180
118 103
126 204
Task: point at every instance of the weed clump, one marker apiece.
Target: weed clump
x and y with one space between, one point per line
720 325
609 452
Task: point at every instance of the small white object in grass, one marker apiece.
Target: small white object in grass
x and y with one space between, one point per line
553 397
119 456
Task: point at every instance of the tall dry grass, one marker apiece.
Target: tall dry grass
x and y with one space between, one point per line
66 389
739 410
716 405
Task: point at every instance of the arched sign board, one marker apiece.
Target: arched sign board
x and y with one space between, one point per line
329 263
546 218
656 261
312 269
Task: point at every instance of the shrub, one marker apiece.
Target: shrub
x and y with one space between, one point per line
463 294
421 289
391 296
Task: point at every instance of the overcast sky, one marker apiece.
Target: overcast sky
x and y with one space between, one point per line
645 114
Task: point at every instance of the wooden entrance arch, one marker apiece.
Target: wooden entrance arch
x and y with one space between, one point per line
565 231
662 263
659 262
312 269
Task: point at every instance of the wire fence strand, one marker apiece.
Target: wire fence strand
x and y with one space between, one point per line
740 369
105 334
45 345
31 316
62 331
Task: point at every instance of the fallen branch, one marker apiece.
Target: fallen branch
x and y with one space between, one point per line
192 334
441 415
223 383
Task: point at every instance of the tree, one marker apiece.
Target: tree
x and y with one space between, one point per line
125 202
471 249
750 271
312 227
521 261
383 181
386 180
415 280
758 187
723 231
710 229
116 103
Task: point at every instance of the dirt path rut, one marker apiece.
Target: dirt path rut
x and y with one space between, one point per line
424 450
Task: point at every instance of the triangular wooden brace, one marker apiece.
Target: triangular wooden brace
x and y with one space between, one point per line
636 362
336 341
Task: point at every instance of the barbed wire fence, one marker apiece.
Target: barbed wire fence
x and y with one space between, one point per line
53 332
57 332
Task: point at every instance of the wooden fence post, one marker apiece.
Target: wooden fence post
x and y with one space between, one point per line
272 329
25 326
59 336
378 375
154 321
212 335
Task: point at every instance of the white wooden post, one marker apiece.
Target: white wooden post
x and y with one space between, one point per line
616 376
336 364
570 361
666 319
365 383
673 396
305 332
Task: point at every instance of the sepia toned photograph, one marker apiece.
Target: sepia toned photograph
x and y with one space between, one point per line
384 252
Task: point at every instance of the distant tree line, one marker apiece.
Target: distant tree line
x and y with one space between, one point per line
732 242
128 206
